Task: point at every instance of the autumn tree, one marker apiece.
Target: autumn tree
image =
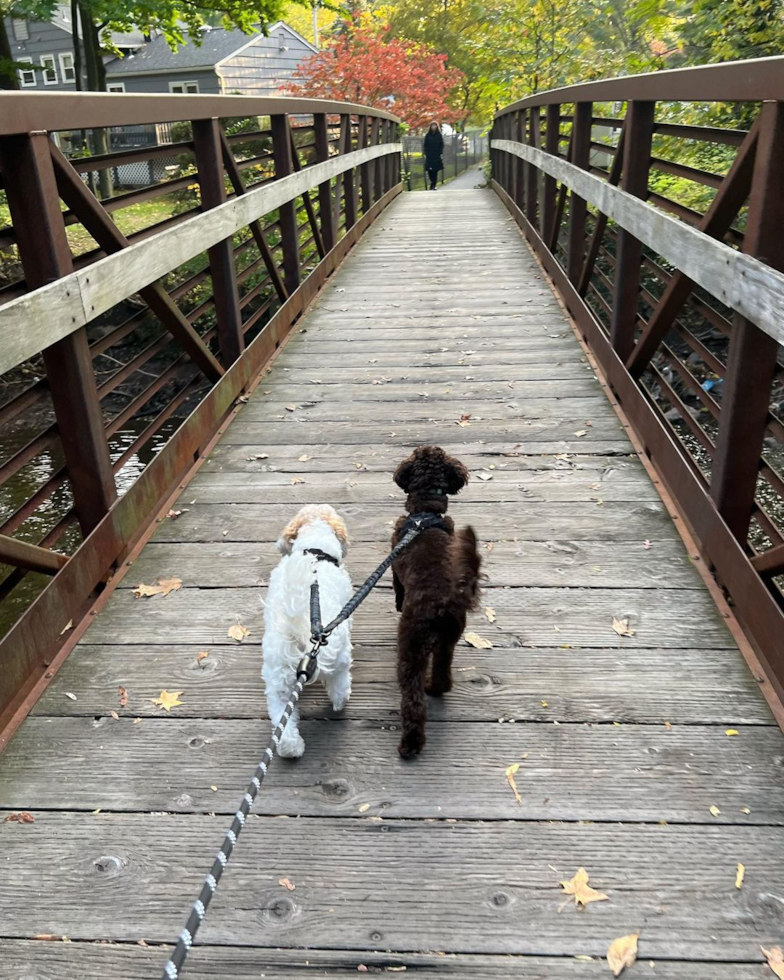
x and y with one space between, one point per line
368 66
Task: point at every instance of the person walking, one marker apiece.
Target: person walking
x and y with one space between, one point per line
433 149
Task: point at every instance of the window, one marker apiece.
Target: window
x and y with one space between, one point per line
67 67
27 77
50 70
184 88
21 31
115 87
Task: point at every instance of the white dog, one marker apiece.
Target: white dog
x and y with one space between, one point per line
313 545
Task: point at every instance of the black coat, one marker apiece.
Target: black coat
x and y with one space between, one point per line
433 149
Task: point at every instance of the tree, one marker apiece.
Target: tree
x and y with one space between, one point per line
368 66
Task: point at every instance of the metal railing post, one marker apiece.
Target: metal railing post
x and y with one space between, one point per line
578 209
284 165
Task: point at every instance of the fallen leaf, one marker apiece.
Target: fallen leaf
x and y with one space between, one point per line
361 968
167 699
304 458
214 789
202 656
163 587
621 627
238 632
96 811
775 958
732 731
295 480
580 433
71 696
490 613
114 715
137 721
622 953
258 456
745 809
464 420
484 476
668 726
510 775
68 626
364 808
490 545
358 465
123 696
544 704
583 958
174 514
291 408
287 884
740 875
583 893
23 817
715 810
646 544
475 640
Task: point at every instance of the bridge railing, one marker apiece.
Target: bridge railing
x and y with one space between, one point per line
143 286
656 204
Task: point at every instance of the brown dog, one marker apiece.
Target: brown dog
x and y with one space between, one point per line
436 583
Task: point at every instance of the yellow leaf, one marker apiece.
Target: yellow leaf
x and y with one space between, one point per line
475 640
68 626
304 458
583 893
775 959
510 775
364 808
238 632
202 656
740 875
622 953
583 958
732 731
490 613
544 704
163 587
295 480
715 810
167 699
745 809
214 789
287 884
621 627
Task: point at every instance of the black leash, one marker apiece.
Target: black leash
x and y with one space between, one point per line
413 526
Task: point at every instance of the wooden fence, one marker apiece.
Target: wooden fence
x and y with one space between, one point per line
656 204
133 319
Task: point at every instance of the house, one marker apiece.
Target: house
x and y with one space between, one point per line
49 46
226 62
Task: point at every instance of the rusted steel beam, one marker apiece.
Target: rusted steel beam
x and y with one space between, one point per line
578 208
307 201
770 562
326 211
531 172
375 130
209 162
634 180
718 218
235 176
20 554
613 178
751 363
349 177
753 80
98 223
365 178
284 165
33 201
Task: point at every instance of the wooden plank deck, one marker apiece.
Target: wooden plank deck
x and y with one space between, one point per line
430 866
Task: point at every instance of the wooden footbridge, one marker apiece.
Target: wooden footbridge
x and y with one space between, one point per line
176 387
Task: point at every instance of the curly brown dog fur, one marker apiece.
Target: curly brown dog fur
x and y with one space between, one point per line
436 583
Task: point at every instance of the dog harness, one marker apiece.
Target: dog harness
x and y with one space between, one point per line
322 556
423 522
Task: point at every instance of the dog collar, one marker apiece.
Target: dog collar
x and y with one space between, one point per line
432 492
322 555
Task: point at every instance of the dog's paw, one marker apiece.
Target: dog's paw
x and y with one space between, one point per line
291 748
340 703
411 745
437 689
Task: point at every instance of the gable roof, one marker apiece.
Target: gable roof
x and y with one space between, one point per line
218 45
61 17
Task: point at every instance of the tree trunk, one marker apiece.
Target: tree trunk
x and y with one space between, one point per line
8 77
96 82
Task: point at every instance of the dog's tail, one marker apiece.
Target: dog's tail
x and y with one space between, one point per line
467 565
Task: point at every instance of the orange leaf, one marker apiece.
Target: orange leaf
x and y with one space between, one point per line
167 700
622 953
583 893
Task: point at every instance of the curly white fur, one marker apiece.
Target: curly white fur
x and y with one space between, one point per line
287 617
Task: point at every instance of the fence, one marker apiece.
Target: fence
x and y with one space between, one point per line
125 316
669 257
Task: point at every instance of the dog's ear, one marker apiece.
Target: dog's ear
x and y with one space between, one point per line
289 533
456 475
338 525
404 474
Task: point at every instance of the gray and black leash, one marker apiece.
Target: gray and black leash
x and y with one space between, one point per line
305 670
